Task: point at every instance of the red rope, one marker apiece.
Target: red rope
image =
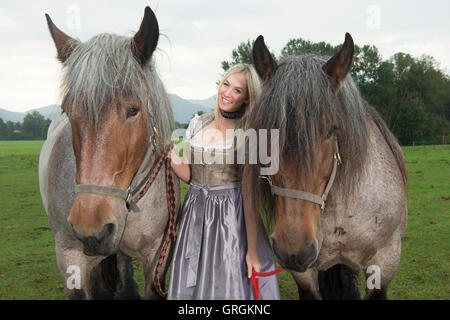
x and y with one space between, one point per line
255 280
171 231
171 205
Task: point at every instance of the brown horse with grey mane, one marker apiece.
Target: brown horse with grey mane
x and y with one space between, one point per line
338 200
101 154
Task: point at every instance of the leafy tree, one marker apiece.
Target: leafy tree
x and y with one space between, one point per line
411 94
408 123
242 54
420 82
34 126
13 130
3 130
366 62
300 46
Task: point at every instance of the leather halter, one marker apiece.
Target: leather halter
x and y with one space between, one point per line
129 194
133 194
303 195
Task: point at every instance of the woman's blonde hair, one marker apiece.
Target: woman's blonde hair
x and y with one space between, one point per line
253 86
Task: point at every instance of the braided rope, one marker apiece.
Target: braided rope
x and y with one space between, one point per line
170 234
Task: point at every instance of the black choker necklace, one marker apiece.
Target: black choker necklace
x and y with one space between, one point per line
232 115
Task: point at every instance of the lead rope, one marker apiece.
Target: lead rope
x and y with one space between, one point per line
170 234
255 280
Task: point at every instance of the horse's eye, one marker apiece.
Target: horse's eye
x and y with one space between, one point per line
331 132
132 111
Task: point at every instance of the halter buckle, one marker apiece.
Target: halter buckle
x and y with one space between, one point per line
129 196
266 178
337 156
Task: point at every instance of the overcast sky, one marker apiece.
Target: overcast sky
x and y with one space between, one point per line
199 34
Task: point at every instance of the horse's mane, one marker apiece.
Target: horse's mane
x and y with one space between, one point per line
299 101
103 69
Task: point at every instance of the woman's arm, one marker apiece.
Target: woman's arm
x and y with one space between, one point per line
251 224
181 167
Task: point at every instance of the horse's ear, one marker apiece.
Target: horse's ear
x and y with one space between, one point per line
63 43
265 65
340 64
146 39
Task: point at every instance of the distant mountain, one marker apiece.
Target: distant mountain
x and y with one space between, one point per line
48 112
7 115
209 102
183 110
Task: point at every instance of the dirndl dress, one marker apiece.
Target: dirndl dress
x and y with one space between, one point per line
209 260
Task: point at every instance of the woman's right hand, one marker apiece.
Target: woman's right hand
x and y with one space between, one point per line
181 169
252 260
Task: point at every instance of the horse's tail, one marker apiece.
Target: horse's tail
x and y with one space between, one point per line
339 283
390 140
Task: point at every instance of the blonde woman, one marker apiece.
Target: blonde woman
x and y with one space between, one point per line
217 245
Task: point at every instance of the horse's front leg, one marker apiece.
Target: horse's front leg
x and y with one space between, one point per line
380 269
307 284
126 288
75 267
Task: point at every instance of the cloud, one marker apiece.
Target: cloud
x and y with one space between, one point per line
199 34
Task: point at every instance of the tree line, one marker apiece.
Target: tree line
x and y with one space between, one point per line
411 94
33 127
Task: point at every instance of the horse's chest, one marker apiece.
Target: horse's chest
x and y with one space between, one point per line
346 239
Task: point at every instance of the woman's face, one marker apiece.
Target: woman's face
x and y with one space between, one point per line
233 92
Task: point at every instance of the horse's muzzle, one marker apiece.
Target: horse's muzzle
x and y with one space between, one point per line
100 243
299 261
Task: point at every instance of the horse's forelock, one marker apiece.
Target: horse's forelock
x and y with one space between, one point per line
103 69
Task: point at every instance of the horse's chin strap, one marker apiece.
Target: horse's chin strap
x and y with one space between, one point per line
129 194
302 195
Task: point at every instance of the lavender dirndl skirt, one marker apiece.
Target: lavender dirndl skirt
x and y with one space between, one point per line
209 258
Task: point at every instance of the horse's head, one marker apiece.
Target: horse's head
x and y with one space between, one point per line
308 145
109 120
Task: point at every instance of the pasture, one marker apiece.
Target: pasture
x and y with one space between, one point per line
27 256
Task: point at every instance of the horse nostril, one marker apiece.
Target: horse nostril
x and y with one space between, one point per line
306 255
107 231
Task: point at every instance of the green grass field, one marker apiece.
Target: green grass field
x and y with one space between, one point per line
27 256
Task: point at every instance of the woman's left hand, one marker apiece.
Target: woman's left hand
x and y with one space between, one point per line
252 260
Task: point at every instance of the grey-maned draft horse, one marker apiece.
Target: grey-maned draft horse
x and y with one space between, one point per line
339 198
108 138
